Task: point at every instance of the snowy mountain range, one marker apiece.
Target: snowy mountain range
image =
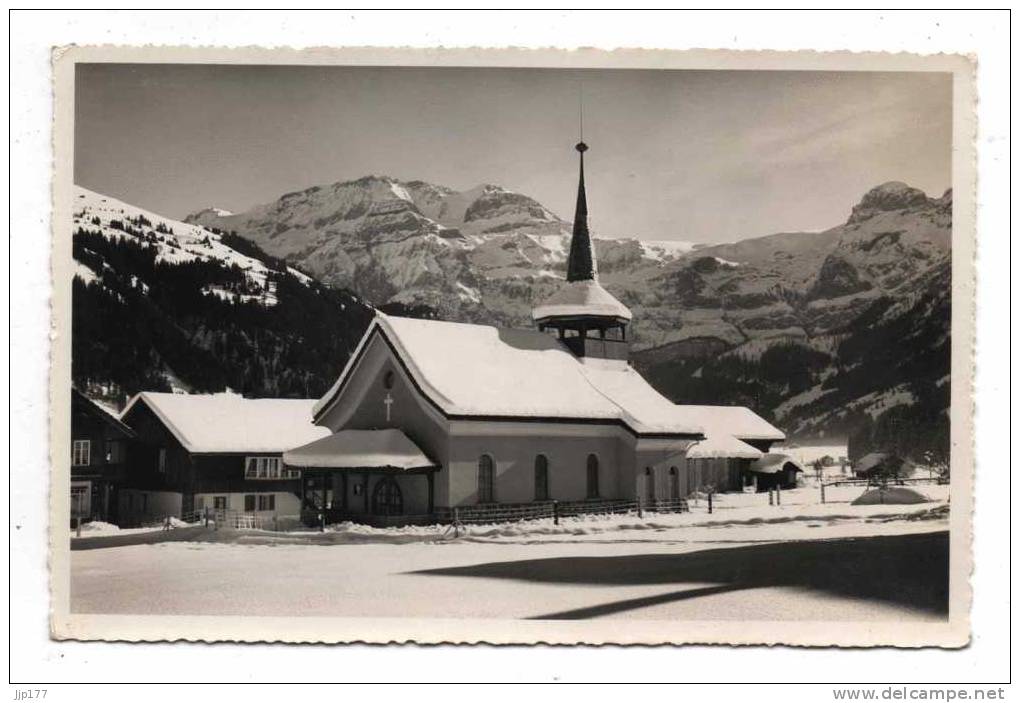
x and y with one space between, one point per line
172 243
165 305
479 255
777 322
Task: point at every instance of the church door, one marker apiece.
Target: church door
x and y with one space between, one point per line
387 498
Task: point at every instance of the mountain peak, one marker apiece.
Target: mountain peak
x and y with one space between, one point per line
891 195
211 210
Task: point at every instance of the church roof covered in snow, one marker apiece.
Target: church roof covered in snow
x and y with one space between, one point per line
477 371
722 446
228 423
360 449
580 299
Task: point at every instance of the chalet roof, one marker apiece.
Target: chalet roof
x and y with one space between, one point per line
481 371
360 449
227 423
82 402
581 299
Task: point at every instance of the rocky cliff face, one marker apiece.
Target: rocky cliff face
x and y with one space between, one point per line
487 254
708 313
821 331
480 255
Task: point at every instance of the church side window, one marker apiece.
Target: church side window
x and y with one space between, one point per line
541 477
593 476
486 480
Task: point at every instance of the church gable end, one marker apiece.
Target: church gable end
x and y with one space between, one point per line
378 392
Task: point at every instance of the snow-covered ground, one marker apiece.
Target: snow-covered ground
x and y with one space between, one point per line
798 561
98 528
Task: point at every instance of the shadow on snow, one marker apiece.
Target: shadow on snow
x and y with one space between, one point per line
909 571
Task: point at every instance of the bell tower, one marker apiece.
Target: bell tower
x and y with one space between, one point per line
586 317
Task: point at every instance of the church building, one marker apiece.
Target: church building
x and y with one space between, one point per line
428 416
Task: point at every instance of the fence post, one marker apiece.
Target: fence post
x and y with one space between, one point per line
206 515
322 521
710 502
640 511
779 494
456 522
770 497
556 512
823 492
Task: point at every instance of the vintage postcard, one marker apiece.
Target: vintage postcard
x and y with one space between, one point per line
635 347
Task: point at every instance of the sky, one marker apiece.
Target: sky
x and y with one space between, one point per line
703 156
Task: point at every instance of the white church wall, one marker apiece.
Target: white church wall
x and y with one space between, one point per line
653 460
514 460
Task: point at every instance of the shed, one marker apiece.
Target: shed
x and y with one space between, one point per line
775 470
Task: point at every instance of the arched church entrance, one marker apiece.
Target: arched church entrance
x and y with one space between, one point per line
387 498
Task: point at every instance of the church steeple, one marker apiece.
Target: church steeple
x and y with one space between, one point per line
581 263
587 318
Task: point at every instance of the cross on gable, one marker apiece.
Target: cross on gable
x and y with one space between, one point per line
389 403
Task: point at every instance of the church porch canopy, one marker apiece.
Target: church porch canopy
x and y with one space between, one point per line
386 450
336 476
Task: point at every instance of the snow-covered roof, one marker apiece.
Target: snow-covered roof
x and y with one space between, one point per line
578 298
874 460
100 411
480 371
360 449
722 446
734 420
228 423
774 463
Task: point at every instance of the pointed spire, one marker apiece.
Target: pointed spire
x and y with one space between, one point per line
581 263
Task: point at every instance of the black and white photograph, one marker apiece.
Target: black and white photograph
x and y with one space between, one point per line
541 353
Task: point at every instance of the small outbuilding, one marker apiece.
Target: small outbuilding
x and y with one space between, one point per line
882 465
774 471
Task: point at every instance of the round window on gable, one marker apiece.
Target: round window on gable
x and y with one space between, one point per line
388 380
